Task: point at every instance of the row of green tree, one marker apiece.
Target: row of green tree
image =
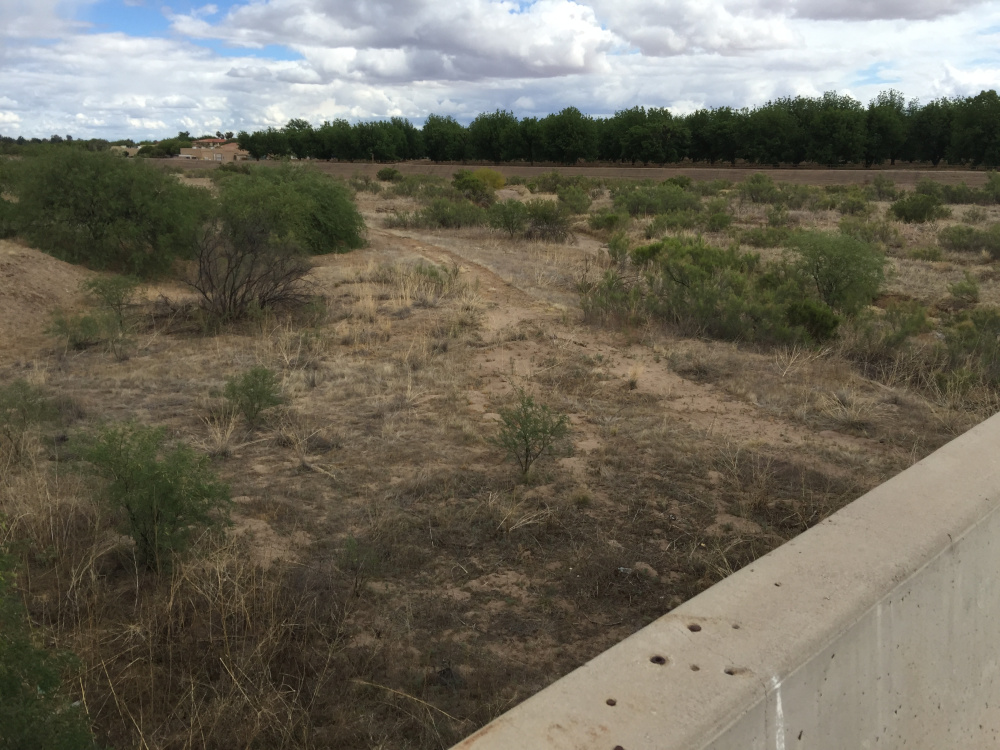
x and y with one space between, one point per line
828 130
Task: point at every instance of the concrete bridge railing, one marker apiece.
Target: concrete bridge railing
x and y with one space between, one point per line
878 628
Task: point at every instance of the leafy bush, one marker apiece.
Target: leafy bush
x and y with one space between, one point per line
528 430
510 216
917 208
158 495
960 193
672 221
546 221
114 294
473 188
818 320
709 188
961 237
718 221
644 200
78 330
609 220
764 236
443 213
389 174
759 188
966 290
99 210
22 406
254 392
882 189
575 199
848 273
490 177
854 204
871 231
35 709
362 183
929 253
974 215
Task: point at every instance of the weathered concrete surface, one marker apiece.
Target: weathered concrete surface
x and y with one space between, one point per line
878 628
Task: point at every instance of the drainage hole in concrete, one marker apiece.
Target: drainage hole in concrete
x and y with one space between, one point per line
735 670
619 747
695 667
611 702
694 627
658 660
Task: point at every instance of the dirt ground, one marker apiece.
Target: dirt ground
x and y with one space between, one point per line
903 175
459 585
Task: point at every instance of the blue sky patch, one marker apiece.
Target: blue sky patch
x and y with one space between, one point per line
268 52
873 75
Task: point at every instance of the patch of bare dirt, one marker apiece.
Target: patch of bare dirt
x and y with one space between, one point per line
32 284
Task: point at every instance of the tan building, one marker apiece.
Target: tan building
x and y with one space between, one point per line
214 149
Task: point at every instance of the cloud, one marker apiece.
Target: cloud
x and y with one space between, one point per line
461 57
851 10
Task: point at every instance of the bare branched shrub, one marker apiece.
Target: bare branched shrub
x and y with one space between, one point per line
242 271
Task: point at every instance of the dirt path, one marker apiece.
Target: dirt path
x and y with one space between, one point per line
702 408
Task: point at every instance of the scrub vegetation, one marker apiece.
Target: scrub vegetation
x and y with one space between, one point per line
260 491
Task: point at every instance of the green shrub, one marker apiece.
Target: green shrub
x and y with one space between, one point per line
609 220
575 199
871 231
818 320
114 294
966 290
253 392
389 174
490 177
528 430
759 188
672 221
362 183
974 215
718 221
709 188
777 216
961 237
547 220
474 188
158 495
101 211
764 236
78 330
22 406
645 200
36 711
681 181
848 273
917 208
882 189
510 216
929 253
960 193
442 213
854 204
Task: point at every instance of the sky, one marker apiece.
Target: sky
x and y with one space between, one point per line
150 68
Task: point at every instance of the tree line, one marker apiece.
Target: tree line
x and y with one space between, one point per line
829 130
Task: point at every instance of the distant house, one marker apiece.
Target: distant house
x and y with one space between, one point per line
214 149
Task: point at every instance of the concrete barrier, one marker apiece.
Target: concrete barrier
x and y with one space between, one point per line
878 628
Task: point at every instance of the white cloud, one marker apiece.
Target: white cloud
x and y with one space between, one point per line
461 57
